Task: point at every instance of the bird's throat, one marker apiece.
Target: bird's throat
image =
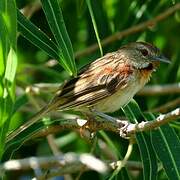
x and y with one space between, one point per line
150 67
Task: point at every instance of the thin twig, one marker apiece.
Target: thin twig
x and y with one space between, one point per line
166 107
50 138
131 128
52 144
148 90
151 90
45 87
69 163
64 164
131 30
121 164
133 165
159 121
83 169
31 8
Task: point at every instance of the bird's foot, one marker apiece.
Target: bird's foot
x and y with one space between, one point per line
85 129
125 129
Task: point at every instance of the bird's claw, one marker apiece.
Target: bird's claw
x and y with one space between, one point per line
123 130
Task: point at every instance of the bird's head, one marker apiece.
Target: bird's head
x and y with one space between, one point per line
143 55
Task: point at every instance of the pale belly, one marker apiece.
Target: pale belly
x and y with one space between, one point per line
119 99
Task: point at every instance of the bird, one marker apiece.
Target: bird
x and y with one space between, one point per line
106 84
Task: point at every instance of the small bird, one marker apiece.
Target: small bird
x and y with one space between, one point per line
106 84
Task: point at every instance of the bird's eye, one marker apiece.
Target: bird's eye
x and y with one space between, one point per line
144 52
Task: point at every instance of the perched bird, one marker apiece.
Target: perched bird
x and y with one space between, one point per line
106 84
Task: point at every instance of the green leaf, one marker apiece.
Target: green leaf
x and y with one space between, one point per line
13 145
111 144
11 66
3 47
94 25
8 63
55 20
11 22
20 101
8 95
124 172
167 146
36 36
134 114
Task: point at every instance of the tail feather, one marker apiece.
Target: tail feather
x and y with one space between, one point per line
33 119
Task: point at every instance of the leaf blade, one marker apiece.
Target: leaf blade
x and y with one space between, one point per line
167 147
133 112
8 58
88 2
55 20
36 36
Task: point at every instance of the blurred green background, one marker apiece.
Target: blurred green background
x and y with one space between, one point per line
35 66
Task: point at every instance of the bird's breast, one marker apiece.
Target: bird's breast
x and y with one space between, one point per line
122 96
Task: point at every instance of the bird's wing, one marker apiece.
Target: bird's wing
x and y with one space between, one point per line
98 80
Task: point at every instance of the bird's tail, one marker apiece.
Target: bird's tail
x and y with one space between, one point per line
31 121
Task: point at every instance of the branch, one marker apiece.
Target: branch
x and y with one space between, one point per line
78 124
64 164
121 164
30 9
68 163
73 163
167 106
131 30
159 121
151 90
126 128
148 90
108 123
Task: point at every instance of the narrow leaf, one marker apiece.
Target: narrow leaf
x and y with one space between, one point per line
55 20
167 146
94 25
20 101
36 36
8 58
14 144
134 114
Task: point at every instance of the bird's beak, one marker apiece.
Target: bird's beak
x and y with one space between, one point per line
160 58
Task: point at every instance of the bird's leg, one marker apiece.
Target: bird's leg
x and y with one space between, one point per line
123 124
88 126
103 115
85 129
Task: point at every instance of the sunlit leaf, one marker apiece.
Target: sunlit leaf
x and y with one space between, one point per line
54 17
8 64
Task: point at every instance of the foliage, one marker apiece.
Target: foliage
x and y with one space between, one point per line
8 64
60 30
